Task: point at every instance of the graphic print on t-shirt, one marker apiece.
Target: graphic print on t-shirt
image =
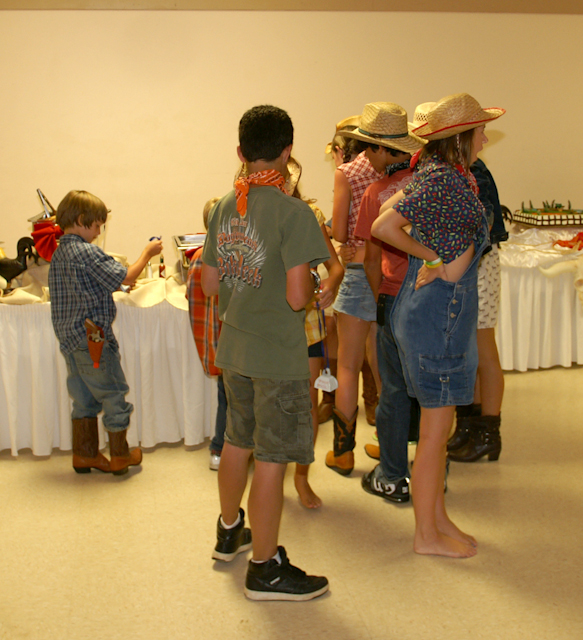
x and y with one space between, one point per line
240 253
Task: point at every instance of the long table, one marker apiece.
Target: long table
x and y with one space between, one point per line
540 325
541 319
173 399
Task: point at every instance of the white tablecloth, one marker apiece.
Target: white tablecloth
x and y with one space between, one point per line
541 318
172 397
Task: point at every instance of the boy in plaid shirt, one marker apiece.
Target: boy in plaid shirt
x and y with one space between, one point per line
82 279
204 319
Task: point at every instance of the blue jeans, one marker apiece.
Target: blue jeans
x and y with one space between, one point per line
221 420
396 411
95 390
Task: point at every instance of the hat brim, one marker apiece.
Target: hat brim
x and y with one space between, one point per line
424 130
407 144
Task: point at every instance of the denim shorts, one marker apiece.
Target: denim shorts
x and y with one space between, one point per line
272 417
435 330
355 297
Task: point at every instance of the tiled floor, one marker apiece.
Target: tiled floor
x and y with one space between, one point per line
97 556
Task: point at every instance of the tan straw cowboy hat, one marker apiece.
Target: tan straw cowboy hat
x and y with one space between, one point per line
385 124
350 123
420 115
454 114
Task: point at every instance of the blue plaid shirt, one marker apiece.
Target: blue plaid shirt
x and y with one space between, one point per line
82 279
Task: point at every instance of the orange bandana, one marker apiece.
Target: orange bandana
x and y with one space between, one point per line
270 177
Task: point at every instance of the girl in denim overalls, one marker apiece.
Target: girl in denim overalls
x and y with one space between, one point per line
434 318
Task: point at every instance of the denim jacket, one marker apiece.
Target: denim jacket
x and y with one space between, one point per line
489 198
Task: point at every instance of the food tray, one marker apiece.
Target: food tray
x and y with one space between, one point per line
565 219
186 242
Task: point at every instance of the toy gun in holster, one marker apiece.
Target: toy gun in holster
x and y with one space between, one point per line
95 341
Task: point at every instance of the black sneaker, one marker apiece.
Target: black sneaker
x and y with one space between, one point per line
392 491
273 581
230 542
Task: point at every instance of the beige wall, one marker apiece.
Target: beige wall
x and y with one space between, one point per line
141 108
462 6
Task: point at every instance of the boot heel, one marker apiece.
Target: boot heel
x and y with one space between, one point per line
121 472
82 469
492 457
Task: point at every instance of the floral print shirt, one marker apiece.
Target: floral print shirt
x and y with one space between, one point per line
441 205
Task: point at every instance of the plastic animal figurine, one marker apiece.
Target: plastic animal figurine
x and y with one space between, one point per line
11 268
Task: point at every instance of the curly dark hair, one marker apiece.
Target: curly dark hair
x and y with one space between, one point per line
264 132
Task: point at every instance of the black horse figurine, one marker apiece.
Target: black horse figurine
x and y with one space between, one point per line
11 268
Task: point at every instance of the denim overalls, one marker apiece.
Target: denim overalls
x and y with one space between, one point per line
435 330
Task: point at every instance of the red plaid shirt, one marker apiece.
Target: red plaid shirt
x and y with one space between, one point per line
204 316
360 174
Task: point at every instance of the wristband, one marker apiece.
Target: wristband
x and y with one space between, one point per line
433 264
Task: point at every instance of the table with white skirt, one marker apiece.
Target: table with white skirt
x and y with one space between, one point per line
173 399
540 324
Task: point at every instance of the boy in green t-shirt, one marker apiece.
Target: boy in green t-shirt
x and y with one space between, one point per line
257 256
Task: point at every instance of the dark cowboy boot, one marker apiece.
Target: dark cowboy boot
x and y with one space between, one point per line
86 455
341 459
121 456
484 440
369 393
465 418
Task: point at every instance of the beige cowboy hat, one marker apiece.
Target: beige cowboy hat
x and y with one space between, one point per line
294 170
420 115
385 124
347 123
454 114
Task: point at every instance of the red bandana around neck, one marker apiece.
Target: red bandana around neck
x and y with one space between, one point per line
269 177
470 176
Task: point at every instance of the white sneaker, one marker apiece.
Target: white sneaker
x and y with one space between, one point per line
214 461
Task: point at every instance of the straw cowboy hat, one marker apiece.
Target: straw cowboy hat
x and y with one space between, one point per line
420 115
454 114
385 124
347 123
294 170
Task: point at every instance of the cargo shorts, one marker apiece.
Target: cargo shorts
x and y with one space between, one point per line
272 417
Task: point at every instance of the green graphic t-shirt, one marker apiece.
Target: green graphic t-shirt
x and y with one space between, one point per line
261 336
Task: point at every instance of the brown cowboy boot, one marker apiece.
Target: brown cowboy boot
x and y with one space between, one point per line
341 459
328 397
86 454
369 393
373 451
121 456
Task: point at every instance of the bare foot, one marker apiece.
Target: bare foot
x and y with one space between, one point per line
307 497
448 528
443 545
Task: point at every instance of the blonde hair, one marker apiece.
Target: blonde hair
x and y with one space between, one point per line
350 147
82 208
207 209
